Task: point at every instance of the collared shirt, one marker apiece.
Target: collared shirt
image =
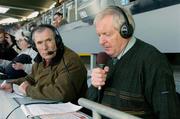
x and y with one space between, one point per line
131 42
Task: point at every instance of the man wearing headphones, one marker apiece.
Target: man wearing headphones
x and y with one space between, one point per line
58 73
138 79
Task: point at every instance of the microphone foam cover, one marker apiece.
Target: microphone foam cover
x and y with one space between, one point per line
102 58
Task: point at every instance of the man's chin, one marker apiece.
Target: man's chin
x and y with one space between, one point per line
47 57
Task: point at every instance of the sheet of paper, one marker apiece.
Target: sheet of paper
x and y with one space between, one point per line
46 109
73 115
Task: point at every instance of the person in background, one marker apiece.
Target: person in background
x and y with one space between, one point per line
32 26
21 65
58 20
58 73
138 79
7 44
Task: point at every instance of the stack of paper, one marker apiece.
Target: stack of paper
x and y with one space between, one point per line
49 109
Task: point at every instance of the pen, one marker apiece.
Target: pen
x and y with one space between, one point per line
4 82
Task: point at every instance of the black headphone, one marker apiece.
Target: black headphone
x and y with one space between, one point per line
58 38
126 29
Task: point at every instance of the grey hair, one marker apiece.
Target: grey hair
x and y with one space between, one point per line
118 18
40 29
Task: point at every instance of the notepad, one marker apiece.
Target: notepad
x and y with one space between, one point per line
49 109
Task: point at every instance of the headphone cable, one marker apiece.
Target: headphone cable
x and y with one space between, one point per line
69 76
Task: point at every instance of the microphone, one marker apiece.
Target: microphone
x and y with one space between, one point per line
50 52
101 60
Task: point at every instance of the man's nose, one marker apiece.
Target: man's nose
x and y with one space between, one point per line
102 40
44 45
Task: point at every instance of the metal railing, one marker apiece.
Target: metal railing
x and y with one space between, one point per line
99 109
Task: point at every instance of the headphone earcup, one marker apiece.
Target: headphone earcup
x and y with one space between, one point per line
126 31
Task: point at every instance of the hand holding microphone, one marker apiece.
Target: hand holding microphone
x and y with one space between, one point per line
99 74
98 77
106 69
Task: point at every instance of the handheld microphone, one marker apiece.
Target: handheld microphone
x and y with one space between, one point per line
101 60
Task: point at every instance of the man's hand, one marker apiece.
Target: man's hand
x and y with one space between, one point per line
18 66
23 87
98 76
6 87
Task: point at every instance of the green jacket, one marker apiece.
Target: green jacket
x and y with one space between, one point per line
64 80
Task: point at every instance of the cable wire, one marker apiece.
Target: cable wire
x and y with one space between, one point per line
12 111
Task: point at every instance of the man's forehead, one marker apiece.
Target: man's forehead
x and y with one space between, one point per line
45 32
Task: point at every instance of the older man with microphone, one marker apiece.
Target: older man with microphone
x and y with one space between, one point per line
138 79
